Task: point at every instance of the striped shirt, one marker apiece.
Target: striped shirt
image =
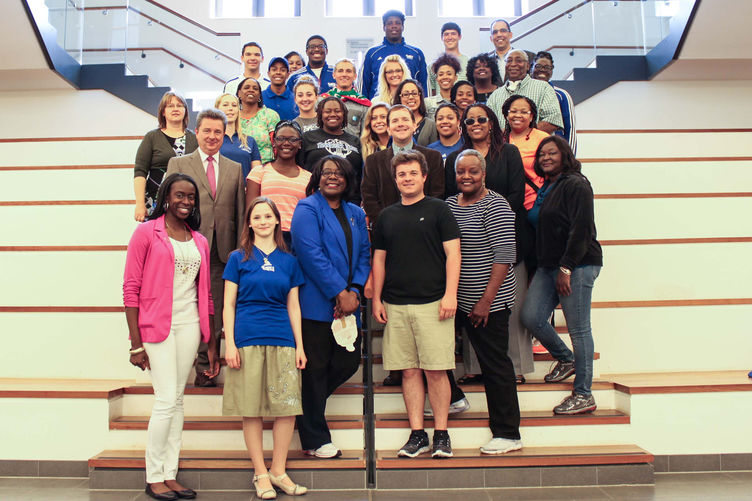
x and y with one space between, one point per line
284 191
540 92
487 238
567 115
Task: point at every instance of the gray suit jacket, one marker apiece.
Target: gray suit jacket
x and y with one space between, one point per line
221 215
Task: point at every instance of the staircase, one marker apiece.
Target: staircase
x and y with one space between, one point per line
87 223
604 70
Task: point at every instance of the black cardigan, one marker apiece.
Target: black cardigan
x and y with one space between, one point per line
566 233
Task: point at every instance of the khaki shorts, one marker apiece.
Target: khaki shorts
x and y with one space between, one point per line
415 338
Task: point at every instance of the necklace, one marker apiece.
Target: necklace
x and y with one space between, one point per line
183 258
267 266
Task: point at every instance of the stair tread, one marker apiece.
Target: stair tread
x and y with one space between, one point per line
229 459
216 423
527 456
473 419
537 357
146 389
530 385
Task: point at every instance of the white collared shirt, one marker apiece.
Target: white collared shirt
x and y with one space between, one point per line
205 162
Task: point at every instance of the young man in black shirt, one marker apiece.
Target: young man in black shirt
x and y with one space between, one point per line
416 269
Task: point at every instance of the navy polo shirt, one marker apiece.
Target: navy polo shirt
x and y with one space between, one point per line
284 104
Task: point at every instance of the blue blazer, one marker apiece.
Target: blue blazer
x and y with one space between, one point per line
321 248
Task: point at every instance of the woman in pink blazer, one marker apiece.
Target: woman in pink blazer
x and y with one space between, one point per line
169 309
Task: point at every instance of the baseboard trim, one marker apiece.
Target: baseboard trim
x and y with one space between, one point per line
43 468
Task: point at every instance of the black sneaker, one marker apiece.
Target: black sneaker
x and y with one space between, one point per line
561 371
576 404
442 446
416 444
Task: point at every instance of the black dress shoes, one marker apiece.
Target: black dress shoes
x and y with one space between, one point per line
186 494
164 496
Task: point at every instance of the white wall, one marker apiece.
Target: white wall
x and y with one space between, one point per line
70 113
668 105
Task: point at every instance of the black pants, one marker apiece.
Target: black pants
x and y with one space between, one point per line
218 295
329 365
491 343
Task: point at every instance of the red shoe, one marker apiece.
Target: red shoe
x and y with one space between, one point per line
539 348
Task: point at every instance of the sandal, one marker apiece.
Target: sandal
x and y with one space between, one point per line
295 490
266 493
520 379
470 379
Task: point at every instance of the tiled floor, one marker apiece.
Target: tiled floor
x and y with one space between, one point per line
723 486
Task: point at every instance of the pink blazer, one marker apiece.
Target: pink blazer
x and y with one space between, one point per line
149 274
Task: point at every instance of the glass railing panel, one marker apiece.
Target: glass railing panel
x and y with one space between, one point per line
225 45
104 40
658 16
66 16
566 32
168 53
618 27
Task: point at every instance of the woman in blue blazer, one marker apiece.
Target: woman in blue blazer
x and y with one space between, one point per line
330 239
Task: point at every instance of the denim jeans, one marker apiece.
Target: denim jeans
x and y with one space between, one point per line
540 302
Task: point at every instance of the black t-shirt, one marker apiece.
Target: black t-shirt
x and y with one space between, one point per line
413 237
342 218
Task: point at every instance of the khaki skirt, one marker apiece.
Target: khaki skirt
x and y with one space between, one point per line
266 385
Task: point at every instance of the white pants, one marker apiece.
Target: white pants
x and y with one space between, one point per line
171 362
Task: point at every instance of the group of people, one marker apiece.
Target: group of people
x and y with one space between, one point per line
297 195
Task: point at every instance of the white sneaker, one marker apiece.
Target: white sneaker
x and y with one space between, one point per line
326 451
501 445
455 408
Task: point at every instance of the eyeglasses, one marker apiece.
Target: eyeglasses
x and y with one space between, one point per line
502 30
544 67
519 112
410 94
480 120
332 173
287 139
392 72
316 46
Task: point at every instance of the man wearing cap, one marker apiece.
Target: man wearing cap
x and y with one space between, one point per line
316 50
394 43
451 34
277 96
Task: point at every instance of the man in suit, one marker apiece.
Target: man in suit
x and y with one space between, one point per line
222 200
378 188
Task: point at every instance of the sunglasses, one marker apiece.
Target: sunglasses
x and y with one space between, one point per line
480 120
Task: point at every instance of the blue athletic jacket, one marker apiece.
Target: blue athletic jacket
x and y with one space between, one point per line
413 56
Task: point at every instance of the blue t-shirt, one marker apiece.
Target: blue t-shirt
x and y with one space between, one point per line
235 151
283 104
446 150
261 317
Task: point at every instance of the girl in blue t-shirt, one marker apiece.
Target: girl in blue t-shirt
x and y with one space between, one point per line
264 345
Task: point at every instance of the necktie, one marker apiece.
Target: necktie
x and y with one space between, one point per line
212 176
